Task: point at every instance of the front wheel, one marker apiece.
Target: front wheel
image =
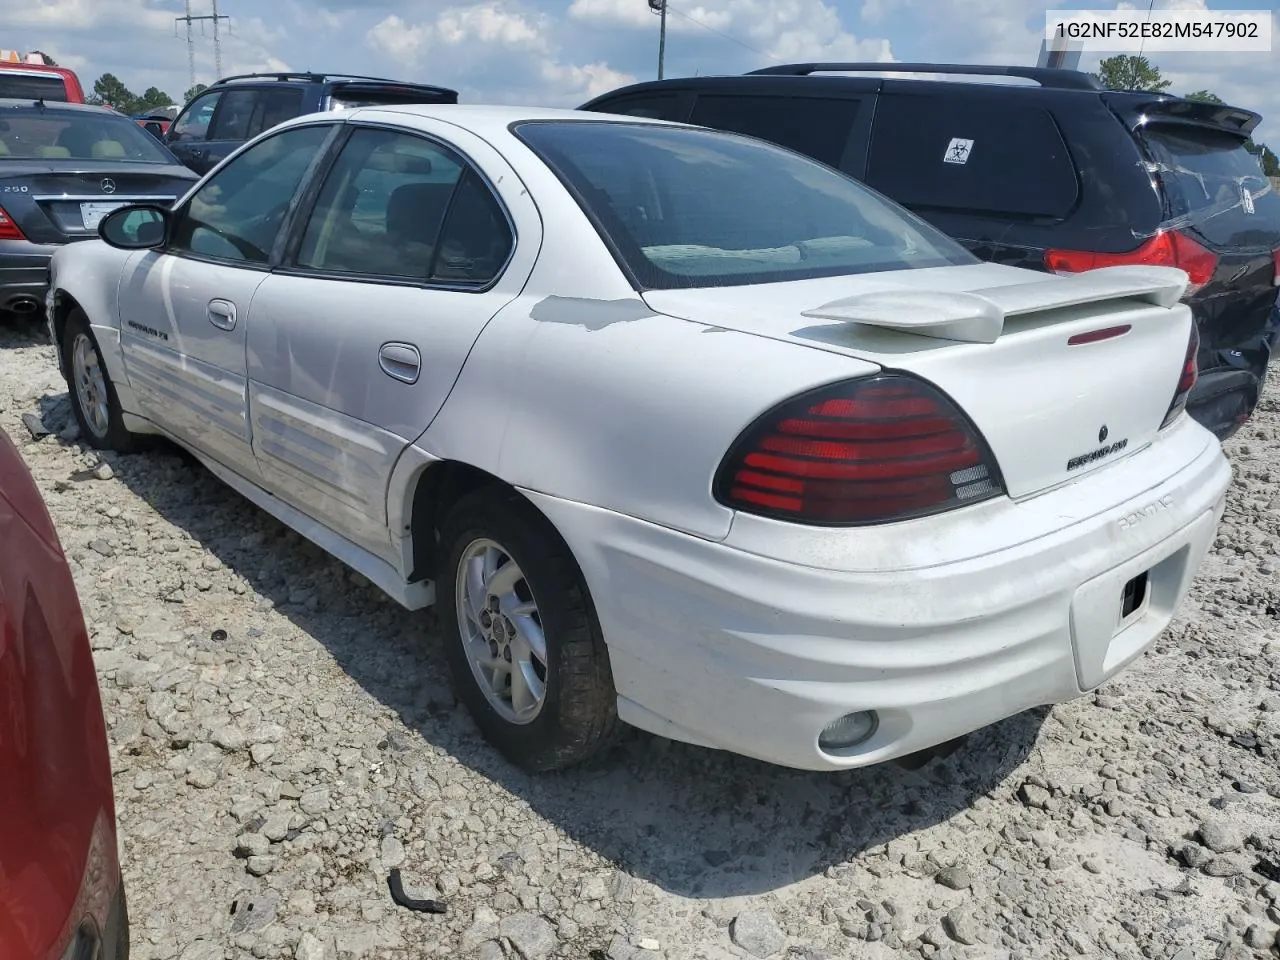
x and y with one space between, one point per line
521 636
93 397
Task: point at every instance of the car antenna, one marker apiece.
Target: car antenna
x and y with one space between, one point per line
40 104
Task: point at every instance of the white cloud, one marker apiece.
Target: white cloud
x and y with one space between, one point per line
783 30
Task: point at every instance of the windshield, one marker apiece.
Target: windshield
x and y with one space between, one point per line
28 133
683 207
1214 186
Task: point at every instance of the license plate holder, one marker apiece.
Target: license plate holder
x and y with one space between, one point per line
92 212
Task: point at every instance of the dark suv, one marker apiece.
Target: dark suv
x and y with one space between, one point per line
234 110
1042 168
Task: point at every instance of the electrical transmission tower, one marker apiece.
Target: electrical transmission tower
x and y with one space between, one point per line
216 19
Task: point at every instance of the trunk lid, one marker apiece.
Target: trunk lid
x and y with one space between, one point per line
53 205
998 340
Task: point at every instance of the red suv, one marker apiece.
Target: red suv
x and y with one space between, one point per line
61 893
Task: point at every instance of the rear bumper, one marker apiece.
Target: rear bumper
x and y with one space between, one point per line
24 273
715 644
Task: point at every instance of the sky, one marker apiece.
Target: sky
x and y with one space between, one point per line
562 52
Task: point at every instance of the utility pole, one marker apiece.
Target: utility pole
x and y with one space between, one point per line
216 18
660 7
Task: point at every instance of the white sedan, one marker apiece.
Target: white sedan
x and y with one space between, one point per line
685 430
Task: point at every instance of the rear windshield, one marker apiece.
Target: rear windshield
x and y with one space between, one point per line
28 133
1214 186
698 208
30 86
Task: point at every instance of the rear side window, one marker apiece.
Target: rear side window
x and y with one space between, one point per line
817 127
971 157
1215 186
19 86
658 106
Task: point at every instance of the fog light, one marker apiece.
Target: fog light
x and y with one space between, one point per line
849 731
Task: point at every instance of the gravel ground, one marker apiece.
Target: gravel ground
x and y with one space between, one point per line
283 735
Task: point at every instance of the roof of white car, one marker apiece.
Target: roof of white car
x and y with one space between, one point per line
489 118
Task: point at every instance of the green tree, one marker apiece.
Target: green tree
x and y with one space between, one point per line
1125 72
194 92
1266 157
153 99
109 90
1204 96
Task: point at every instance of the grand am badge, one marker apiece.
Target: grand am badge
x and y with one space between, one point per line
1093 456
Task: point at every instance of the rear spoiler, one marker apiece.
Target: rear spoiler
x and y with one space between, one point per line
978 316
429 94
1139 109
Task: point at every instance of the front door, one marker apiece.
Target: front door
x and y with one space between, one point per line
184 308
357 339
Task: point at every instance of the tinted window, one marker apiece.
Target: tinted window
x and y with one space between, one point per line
32 87
695 208
237 213
234 115
1216 185
476 240
656 107
1001 159
381 208
816 127
27 133
194 122
274 108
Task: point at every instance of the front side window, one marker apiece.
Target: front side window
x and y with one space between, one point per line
399 206
237 213
194 122
697 208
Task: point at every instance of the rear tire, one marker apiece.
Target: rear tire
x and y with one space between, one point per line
93 396
542 712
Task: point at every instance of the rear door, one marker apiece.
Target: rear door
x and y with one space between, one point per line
245 112
356 341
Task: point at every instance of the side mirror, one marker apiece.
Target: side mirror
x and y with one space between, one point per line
154 129
135 228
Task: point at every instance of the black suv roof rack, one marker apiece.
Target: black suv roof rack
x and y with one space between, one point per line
1046 76
316 78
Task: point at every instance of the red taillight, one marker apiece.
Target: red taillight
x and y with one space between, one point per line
8 229
1171 248
1186 380
1275 255
889 447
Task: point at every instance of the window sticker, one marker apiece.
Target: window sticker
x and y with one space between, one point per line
958 150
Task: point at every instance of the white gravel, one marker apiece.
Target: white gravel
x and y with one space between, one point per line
282 735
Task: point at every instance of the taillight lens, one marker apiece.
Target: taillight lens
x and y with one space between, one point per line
1186 380
1275 255
873 450
1172 248
8 229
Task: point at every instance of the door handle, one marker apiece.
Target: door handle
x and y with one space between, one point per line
400 361
222 314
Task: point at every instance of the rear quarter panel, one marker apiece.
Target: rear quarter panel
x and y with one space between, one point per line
577 390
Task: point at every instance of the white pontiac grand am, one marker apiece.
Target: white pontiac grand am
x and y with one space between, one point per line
682 429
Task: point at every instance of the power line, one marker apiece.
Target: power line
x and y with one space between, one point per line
721 33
